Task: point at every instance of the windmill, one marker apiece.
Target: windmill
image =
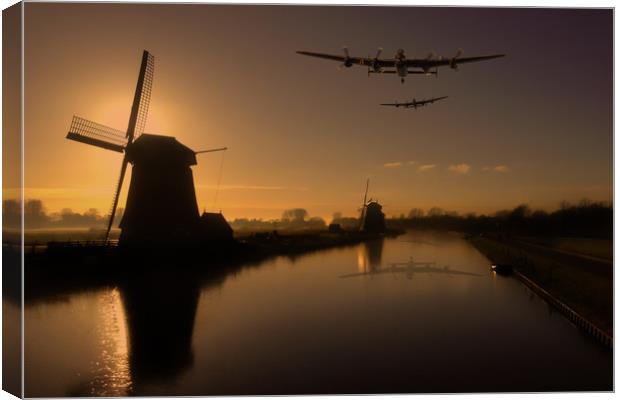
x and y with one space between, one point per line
95 134
161 196
372 219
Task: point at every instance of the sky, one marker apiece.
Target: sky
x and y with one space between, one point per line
534 127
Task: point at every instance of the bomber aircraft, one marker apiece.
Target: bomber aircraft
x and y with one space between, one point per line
414 103
400 63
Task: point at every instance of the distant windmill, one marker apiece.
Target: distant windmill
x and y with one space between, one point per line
161 194
372 219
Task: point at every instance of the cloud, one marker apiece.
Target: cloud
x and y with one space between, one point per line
461 169
426 167
393 164
412 162
497 168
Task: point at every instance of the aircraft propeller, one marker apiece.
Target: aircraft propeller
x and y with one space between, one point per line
453 63
375 62
348 63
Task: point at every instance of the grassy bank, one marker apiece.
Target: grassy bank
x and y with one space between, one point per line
580 281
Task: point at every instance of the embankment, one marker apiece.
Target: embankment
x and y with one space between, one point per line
581 287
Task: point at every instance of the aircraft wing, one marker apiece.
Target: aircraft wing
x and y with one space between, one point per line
429 63
364 61
423 102
396 104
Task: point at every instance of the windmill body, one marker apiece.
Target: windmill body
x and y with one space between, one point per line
161 202
374 219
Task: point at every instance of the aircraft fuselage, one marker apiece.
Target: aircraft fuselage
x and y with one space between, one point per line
401 69
401 64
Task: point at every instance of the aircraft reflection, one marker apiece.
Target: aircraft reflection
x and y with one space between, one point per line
410 268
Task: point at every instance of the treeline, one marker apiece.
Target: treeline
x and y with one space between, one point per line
36 217
293 219
585 219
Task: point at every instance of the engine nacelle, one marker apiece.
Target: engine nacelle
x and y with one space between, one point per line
453 64
375 66
348 62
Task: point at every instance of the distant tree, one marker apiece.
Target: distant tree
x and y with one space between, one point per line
436 212
11 213
519 212
416 213
34 214
295 215
316 223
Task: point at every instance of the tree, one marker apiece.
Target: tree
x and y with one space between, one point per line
11 213
34 214
416 213
436 212
295 214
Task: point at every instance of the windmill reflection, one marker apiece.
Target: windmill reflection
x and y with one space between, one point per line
369 255
160 312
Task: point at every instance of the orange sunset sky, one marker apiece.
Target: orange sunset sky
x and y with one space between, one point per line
534 127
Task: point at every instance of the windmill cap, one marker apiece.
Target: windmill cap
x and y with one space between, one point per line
159 149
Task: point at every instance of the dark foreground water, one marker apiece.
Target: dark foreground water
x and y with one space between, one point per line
296 326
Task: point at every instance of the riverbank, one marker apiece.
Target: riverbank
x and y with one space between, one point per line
582 282
65 267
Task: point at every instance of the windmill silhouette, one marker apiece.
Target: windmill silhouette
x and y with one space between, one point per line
372 219
161 202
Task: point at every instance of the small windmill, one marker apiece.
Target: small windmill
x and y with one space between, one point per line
372 219
95 134
363 215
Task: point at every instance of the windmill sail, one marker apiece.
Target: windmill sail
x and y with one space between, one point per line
89 132
142 98
364 205
137 120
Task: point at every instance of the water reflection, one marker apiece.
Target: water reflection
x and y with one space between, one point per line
111 370
160 318
369 255
265 328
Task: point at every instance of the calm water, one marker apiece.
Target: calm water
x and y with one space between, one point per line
295 326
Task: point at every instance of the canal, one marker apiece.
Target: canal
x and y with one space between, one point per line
320 323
